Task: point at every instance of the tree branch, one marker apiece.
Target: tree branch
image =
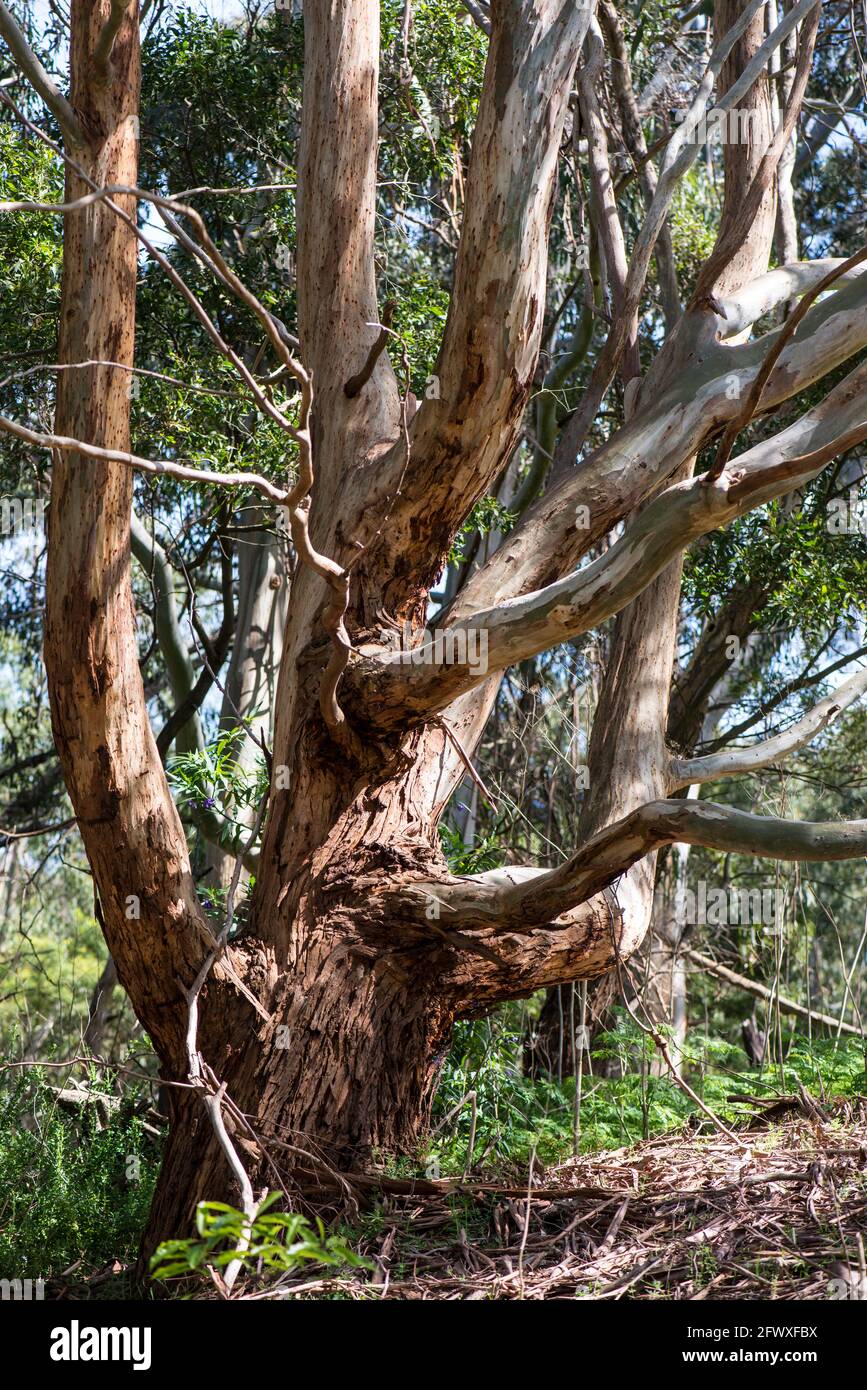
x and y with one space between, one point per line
105 43
162 467
687 398
480 13
679 156
786 333
633 133
737 228
786 282
735 762
39 79
542 896
787 1006
464 434
179 668
414 684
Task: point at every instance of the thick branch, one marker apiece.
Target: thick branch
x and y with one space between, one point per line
769 291
687 397
105 43
462 437
680 154
603 203
479 13
544 895
633 134
336 280
736 228
425 680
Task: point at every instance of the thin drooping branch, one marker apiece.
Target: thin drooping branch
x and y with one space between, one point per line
802 682
735 762
81 203
296 499
43 367
163 467
696 684
39 79
787 1006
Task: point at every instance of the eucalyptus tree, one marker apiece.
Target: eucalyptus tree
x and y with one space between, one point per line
309 1040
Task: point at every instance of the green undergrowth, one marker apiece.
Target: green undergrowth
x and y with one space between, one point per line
75 1188
516 1115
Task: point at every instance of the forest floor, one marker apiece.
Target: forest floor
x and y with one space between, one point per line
773 1210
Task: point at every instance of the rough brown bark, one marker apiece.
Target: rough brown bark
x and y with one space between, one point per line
133 836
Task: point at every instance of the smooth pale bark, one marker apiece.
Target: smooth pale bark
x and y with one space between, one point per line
735 762
688 394
766 292
33 70
742 157
633 134
645 638
523 627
